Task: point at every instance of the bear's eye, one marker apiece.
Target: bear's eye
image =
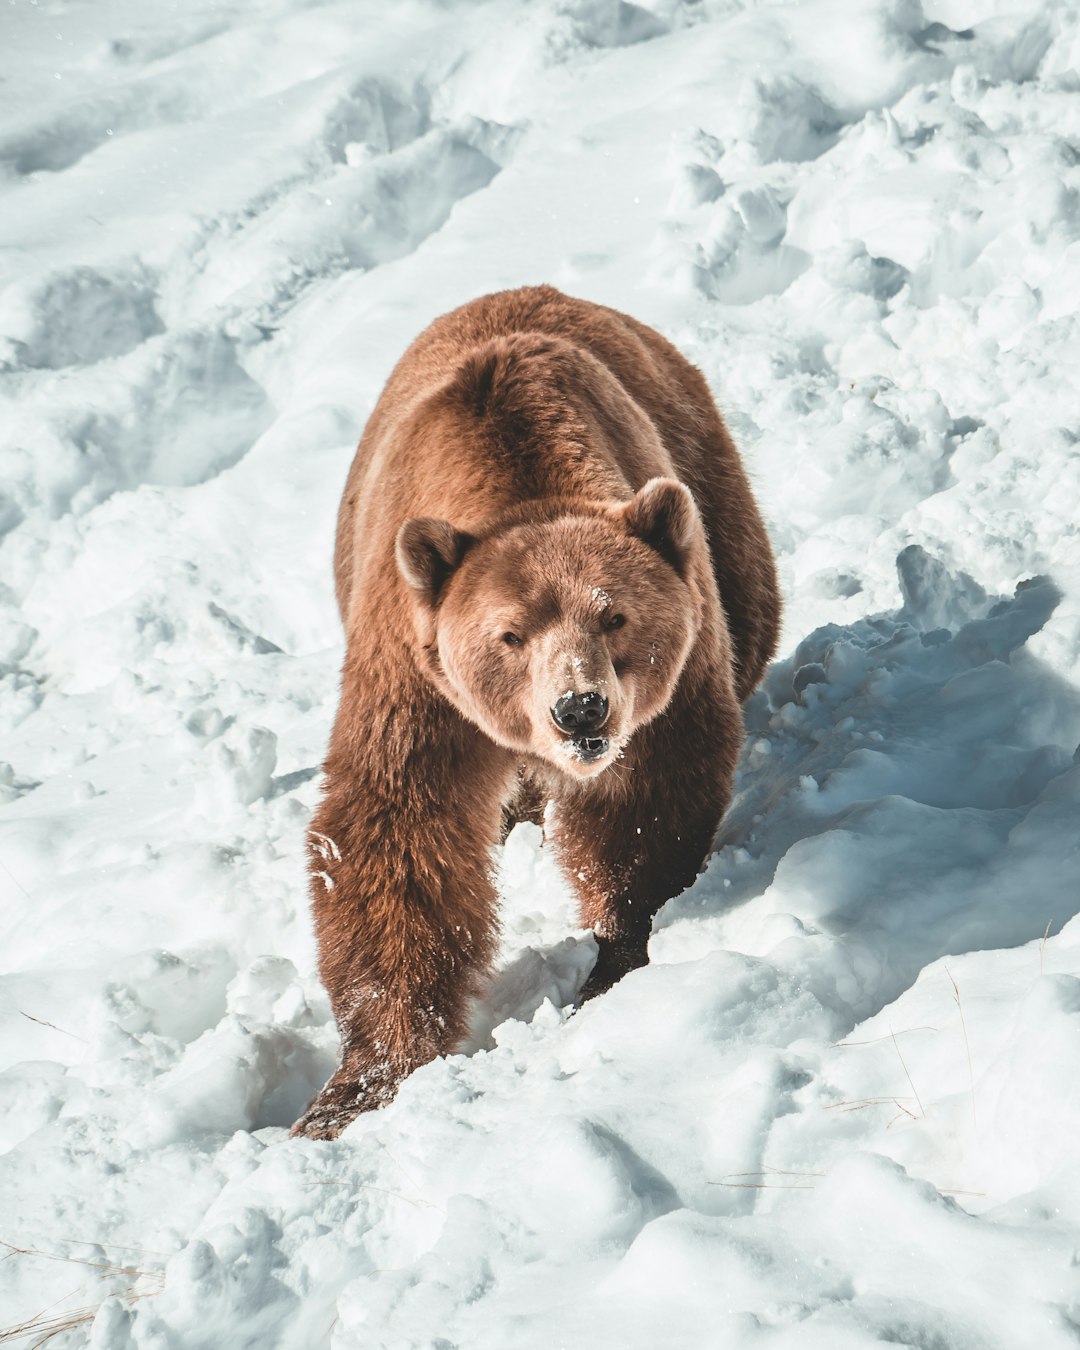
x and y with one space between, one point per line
614 620
512 640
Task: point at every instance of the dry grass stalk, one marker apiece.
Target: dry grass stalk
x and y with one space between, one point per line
44 1328
768 1185
42 1023
863 1103
45 1325
1042 944
106 1267
907 1075
967 1047
876 1040
901 1114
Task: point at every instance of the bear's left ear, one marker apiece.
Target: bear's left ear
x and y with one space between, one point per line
428 551
665 516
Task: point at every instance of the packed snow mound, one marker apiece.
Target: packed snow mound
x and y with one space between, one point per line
839 1107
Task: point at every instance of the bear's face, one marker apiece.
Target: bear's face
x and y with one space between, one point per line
561 638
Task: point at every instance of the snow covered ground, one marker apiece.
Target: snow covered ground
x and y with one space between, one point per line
841 1106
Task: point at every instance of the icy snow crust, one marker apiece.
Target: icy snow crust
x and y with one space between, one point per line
841 1106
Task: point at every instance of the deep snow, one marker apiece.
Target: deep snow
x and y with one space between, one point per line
840 1108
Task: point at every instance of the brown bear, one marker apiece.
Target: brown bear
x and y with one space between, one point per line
556 589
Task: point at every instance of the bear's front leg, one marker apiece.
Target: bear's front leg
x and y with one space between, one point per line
622 877
404 906
628 849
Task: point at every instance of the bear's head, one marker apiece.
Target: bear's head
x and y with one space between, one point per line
560 636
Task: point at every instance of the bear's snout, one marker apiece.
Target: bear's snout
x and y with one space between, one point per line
580 714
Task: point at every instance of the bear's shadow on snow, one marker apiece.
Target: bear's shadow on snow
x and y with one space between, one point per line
908 788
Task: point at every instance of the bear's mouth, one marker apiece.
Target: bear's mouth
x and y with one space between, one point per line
590 748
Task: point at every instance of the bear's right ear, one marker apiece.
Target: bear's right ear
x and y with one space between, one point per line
428 551
664 515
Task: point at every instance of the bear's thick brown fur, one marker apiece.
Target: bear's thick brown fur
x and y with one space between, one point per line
537 610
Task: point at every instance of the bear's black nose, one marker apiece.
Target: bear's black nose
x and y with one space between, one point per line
578 713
